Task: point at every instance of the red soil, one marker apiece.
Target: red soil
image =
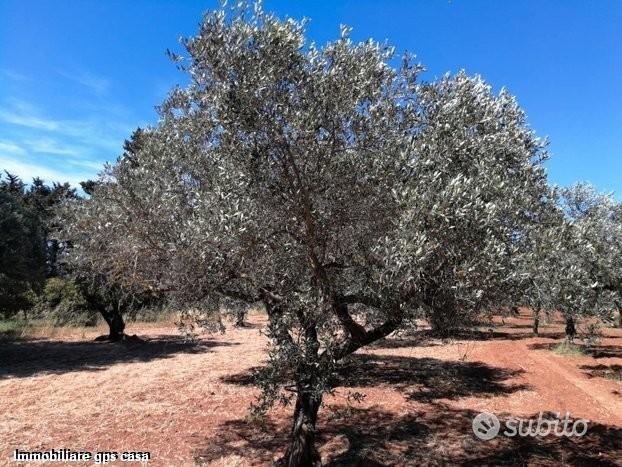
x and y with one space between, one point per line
188 405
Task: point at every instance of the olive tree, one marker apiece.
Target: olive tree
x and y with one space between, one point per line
596 220
477 192
544 248
324 182
570 260
102 260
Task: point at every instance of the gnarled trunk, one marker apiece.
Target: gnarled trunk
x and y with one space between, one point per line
116 325
536 321
302 451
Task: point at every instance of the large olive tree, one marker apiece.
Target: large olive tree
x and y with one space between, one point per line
476 194
324 182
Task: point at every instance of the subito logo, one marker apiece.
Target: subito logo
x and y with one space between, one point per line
486 426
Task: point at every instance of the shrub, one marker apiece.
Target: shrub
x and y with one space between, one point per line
62 303
568 349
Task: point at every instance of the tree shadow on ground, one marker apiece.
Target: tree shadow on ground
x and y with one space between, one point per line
604 351
420 379
491 334
431 434
595 351
22 358
519 326
612 372
438 435
426 379
426 338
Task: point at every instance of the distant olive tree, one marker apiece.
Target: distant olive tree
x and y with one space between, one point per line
325 183
98 259
596 221
571 258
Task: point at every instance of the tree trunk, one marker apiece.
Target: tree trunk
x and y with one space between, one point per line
302 451
571 330
116 325
443 321
536 321
240 319
618 309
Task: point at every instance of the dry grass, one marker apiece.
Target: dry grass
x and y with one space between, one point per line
568 349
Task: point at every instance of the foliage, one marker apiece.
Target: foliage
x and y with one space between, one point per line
477 189
62 302
39 197
571 258
22 254
41 201
592 334
597 221
12 326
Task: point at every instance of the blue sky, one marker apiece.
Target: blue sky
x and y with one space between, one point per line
77 76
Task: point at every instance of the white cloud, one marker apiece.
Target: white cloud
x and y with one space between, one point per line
52 146
28 170
101 130
28 121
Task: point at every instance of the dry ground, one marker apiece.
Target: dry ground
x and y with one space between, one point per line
187 404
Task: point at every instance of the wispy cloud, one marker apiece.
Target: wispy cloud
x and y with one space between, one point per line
52 146
28 121
97 84
10 148
101 130
57 149
14 75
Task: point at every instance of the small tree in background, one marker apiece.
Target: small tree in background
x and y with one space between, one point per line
325 183
99 264
41 200
64 304
539 258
